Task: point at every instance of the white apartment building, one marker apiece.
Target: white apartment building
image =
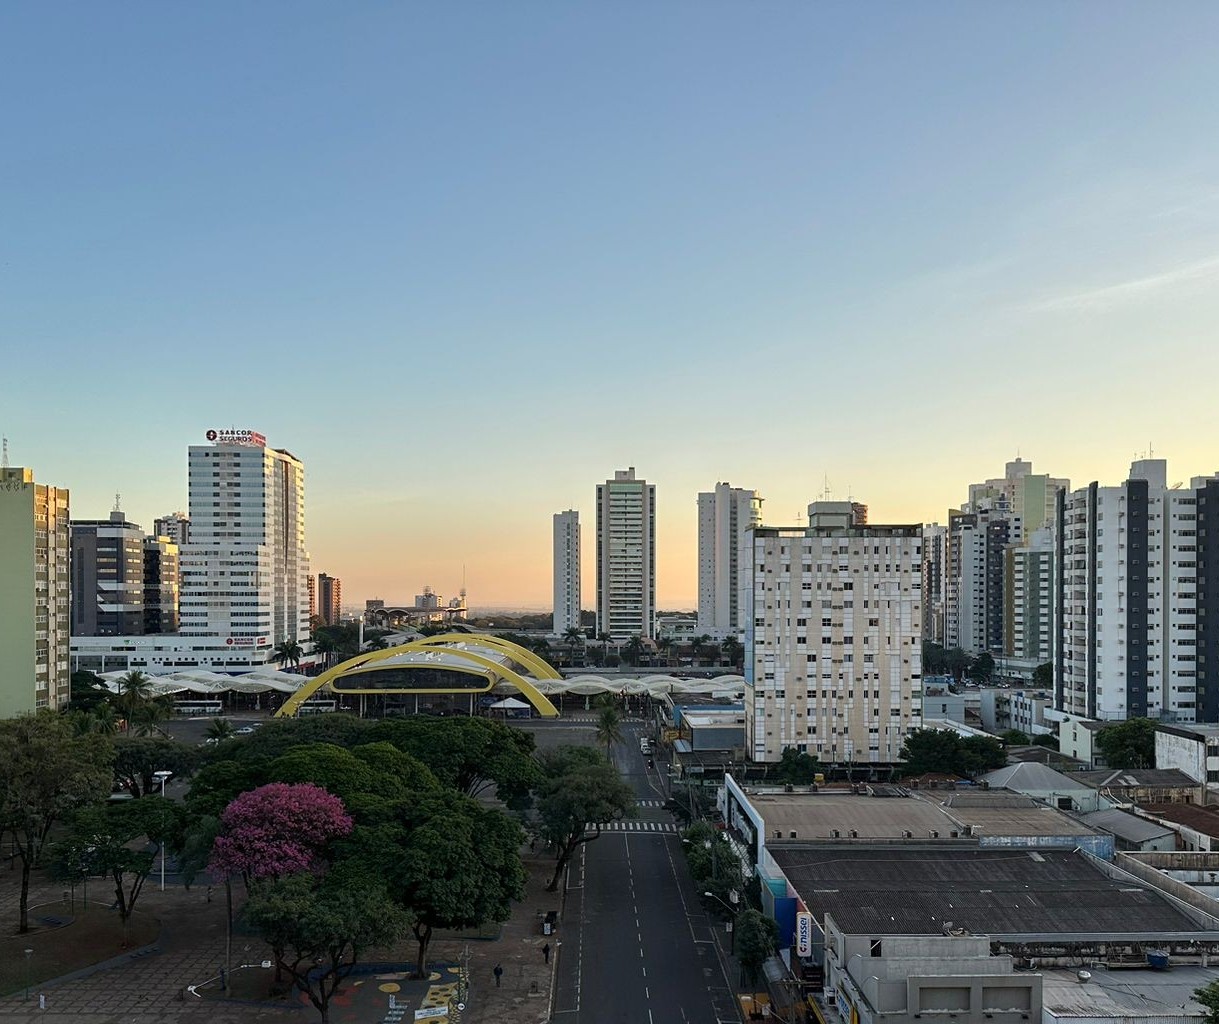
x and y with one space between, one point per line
725 516
1028 605
626 556
245 571
1137 593
566 571
35 587
833 659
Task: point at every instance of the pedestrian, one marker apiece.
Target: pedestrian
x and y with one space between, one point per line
546 952
209 894
499 973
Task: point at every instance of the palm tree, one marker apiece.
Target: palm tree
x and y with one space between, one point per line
609 727
731 647
696 645
288 653
634 649
326 645
574 639
665 643
146 719
219 729
135 689
604 640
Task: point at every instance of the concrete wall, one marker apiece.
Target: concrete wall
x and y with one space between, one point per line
1097 845
1188 755
17 599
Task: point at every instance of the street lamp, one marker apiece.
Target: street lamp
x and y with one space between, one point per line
28 953
162 776
733 911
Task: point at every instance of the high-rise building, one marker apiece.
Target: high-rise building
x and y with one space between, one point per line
725 517
175 526
1137 599
312 598
833 642
626 556
107 577
245 570
935 582
566 569
35 588
1019 493
329 599
161 587
1029 598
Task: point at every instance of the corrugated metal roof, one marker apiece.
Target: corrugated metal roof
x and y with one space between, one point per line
1125 826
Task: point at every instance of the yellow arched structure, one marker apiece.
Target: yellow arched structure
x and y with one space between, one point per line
457 646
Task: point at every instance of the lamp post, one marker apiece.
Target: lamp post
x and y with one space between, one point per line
162 776
28 953
733 911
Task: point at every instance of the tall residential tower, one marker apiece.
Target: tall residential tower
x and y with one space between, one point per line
725 517
626 556
566 571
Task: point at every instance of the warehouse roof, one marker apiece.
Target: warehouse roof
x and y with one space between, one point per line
997 892
1125 826
1032 777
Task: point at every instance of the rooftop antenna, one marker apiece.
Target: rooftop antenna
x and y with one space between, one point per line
3 453
118 502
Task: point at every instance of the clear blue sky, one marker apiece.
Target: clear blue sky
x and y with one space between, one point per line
465 260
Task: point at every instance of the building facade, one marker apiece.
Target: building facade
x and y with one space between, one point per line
329 600
161 587
175 526
245 570
1136 589
566 571
833 659
35 593
935 582
1028 605
725 517
107 577
626 556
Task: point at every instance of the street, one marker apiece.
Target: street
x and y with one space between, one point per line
636 944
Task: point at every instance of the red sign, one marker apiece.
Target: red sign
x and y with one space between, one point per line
246 641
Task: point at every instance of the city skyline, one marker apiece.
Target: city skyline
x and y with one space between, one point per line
889 247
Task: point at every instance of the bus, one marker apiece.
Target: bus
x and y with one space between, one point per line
211 708
317 707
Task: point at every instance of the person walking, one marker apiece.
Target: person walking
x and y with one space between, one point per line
499 973
546 952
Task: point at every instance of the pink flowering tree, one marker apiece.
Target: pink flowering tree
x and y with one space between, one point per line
276 830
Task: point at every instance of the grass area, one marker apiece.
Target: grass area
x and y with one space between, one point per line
88 938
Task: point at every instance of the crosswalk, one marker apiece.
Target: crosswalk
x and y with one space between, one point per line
649 803
639 826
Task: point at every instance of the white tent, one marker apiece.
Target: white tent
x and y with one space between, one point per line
508 704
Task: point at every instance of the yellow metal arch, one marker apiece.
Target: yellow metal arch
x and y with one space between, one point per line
541 668
477 662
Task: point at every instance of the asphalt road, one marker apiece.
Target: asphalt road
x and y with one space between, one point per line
636 946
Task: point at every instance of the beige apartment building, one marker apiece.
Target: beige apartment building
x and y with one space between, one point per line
833 645
35 544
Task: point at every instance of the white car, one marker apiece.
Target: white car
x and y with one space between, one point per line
245 730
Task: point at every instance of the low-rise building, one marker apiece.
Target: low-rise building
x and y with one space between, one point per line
1132 833
1144 785
1193 749
1045 784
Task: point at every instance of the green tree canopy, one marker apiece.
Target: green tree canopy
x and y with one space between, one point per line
138 759
1128 744
318 928
1208 996
982 668
796 768
580 790
1015 737
1043 676
943 751
756 938
47 772
280 735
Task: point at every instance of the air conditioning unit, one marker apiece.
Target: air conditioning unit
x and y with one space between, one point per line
778 833
854 833
793 834
835 833
907 834
934 833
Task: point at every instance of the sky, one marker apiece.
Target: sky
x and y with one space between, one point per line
466 260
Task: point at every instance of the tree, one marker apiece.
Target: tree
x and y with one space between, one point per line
934 661
796 767
318 927
114 839
732 650
980 754
46 772
1015 738
88 692
696 646
288 654
574 638
134 691
956 662
1208 996
1045 740
943 751
756 938
634 650
276 830
136 762
580 790
982 668
604 640
220 729
460 869
327 645
470 754
1043 676
609 727
1128 744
